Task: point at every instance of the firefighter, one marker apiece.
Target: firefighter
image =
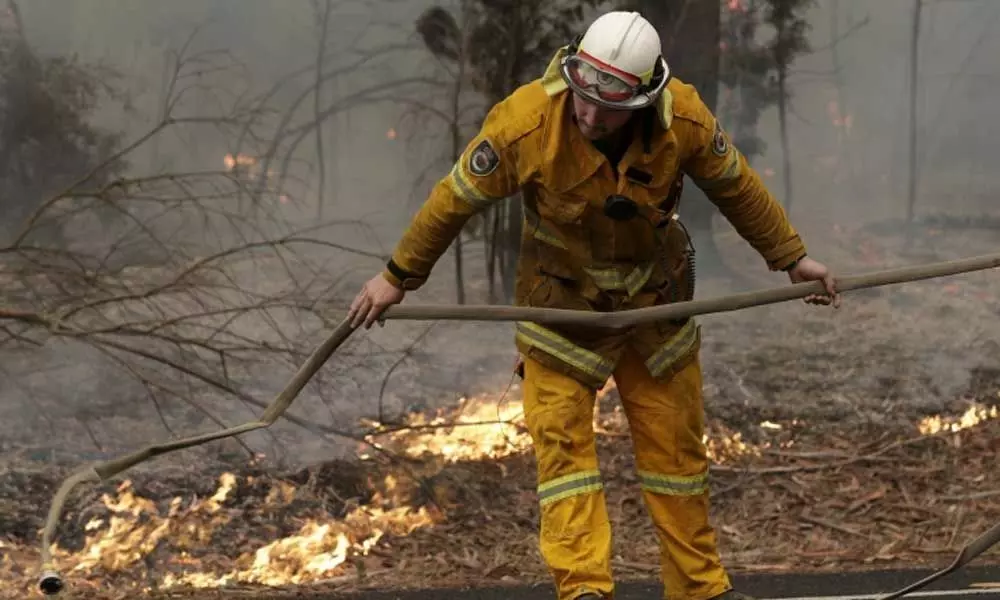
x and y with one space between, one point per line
597 148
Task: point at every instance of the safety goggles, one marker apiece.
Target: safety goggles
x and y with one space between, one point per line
605 85
603 82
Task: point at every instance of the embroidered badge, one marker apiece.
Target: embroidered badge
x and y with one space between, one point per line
720 143
483 160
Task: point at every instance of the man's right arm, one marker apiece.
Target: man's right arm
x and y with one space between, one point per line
484 174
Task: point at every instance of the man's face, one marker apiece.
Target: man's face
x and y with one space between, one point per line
596 122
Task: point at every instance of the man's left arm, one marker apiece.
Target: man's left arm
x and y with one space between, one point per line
723 173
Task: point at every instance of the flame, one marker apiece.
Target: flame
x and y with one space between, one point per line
485 427
250 167
244 162
130 535
481 428
838 118
319 549
970 418
238 160
722 444
391 134
726 445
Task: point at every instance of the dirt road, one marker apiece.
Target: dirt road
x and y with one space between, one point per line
980 583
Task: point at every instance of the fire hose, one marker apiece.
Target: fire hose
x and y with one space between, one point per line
51 582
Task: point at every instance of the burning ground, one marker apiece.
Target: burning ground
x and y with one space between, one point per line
863 438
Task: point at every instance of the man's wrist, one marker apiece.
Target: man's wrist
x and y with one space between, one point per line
400 278
793 264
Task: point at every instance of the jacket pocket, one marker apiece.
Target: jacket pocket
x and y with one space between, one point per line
567 207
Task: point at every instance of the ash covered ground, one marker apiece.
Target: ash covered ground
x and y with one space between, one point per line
854 438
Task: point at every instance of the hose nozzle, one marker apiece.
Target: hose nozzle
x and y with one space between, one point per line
51 583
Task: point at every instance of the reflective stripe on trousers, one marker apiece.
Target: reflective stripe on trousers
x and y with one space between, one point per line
573 484
666 424
674 485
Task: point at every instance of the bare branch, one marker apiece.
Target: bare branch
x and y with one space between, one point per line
405 355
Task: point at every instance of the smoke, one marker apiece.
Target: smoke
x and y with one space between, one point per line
849 131
848 139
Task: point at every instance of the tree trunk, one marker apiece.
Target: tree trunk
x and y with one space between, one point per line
786 156
512 246
690 32
911 191
317 103
512 214
459 271
456 153
493 241
846 159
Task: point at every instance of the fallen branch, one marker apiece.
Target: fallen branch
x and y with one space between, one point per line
975 496
874 456
831 525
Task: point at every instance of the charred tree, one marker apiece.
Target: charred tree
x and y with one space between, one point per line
746 84
47 131
790 40
713 45
691 34
501 46
911 182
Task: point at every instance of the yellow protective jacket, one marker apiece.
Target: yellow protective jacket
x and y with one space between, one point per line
574 256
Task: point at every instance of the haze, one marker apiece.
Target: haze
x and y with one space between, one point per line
379 166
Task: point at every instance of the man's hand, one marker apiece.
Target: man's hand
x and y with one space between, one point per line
376 296
808 269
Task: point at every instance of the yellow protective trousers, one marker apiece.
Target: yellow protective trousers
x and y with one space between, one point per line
666 424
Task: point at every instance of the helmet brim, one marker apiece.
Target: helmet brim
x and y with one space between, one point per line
639 101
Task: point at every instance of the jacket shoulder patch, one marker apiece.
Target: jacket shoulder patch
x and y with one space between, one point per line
720 143
483 159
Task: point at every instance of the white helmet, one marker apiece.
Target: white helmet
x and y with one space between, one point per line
618 62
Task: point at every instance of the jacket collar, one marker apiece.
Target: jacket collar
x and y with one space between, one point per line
570 157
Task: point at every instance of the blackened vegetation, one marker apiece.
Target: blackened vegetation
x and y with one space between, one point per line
48 139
